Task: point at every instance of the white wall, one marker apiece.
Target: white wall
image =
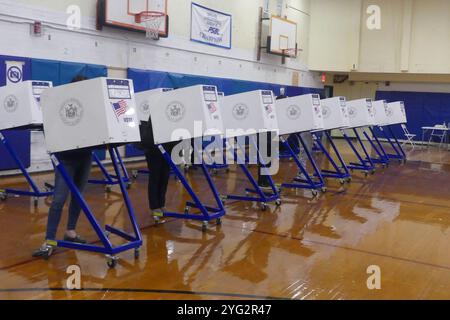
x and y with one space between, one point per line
414 36
122 49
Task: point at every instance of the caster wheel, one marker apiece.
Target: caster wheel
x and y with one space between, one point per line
278 203
315 193
135 175
349 180
215 172
111 262
107 234
186 210
219 222
205 226
366 174
137 253
342 181
3 197
157 220
35 202
129 184
324 190
264 207
108 189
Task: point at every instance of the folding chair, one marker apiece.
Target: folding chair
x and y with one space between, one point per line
439 132
410 137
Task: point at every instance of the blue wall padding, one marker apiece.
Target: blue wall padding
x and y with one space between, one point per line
19 139
423 109
61 73
147 80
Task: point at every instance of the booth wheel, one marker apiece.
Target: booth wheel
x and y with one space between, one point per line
108 189
349 180
35 202
205 226
186 210
135 174
324 190
315 193
111 261
264 206
157 220
128 185
278 202
3 196
342 181
219 222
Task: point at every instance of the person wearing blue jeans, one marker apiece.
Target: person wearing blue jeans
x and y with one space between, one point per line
78 166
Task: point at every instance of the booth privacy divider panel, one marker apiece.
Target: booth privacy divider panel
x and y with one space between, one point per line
21 139
423 109
147 80
61 73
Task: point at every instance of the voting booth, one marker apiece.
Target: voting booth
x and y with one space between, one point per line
299 114
396 113
245 115
296 115
20 105
90 114
252 111
360 113
144 100
380 109
20 109
184 114
177 113
335 113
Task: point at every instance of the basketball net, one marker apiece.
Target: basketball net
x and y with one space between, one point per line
152 20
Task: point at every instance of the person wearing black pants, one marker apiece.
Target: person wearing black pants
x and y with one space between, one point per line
158 167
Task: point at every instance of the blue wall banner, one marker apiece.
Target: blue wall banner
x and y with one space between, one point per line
210 27
14 70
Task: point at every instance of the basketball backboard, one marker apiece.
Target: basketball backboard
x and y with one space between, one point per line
282 39
123 14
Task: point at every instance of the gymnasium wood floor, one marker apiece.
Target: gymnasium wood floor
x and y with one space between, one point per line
398 219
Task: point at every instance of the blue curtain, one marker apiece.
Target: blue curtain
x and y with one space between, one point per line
423 109
20 139
147 80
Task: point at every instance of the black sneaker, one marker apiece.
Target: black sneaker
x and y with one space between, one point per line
77 239
43 252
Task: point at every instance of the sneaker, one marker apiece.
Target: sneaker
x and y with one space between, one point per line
158 213
45 251
77 239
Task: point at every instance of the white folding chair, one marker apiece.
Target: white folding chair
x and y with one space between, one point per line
409 136
439 132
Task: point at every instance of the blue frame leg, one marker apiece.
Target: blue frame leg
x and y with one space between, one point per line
260 196
365 165
398 153
380 145
381 158
134 241
309 183
207 213
341 172
111 180
35 192
399 145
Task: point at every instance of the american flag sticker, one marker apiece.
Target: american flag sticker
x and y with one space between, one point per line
120 108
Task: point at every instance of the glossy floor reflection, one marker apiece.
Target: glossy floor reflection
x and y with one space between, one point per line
398 219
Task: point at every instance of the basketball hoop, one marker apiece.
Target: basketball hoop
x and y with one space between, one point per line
152 21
